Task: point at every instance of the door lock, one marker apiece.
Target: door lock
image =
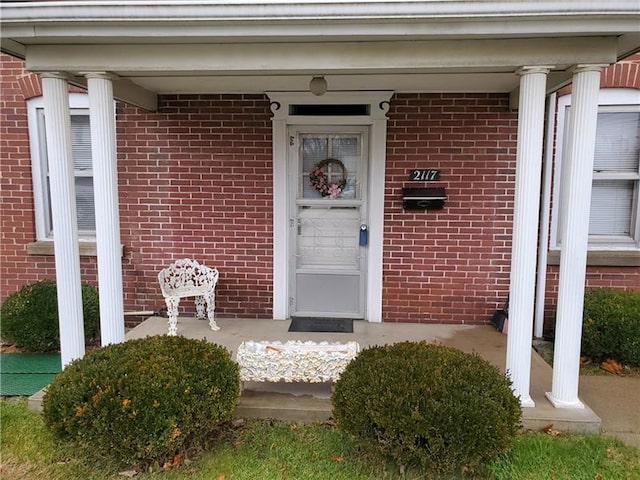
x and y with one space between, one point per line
364 235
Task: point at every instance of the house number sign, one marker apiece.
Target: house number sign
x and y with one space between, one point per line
424 175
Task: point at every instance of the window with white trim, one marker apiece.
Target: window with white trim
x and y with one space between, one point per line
614 222
82 167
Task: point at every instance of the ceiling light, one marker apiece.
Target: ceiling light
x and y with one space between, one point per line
318 86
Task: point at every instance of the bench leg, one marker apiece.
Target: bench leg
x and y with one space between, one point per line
172 312
209 298
200 307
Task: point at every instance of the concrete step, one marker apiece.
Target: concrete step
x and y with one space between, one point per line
313 404
283 406
579 420
308 408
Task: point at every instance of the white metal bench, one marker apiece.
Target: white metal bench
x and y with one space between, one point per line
187 278
294 361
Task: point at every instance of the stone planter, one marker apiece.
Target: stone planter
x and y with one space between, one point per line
294 361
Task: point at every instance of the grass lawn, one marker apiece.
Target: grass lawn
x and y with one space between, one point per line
265 450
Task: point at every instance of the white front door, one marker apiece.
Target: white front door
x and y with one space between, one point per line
328 222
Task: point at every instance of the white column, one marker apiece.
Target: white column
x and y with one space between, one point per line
55 91
578 173
105 186
545 211
525 228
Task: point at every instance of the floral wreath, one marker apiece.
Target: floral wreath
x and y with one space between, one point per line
320 181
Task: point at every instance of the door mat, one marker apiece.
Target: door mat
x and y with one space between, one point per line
26 373
326 325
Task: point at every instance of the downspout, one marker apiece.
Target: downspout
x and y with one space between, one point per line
545 211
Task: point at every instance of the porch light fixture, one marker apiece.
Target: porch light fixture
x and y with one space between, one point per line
318 86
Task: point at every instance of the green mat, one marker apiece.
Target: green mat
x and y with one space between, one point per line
26 373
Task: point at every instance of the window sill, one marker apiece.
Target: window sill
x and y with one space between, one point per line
601 258
45 247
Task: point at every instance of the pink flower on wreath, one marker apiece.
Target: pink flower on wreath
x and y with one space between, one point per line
334 191
319 180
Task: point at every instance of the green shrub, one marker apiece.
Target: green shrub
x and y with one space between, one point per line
611 326
30 316
427 405
143 401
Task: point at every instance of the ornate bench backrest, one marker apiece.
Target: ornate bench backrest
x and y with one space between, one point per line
187 277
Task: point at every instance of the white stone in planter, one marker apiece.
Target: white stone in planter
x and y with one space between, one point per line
294 361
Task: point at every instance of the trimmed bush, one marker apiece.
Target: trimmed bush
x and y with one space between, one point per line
143 401
30 316
427 405
611 326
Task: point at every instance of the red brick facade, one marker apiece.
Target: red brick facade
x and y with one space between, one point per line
195 181
16 200
449 265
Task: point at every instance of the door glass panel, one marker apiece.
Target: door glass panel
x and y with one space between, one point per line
338 297
330 165
328 238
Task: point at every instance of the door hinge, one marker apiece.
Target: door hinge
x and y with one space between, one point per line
291 301
292 140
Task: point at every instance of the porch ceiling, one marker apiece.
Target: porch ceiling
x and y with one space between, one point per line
480 65
259 83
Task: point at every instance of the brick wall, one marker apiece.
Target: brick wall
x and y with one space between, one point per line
195 181
17 224
449 265
625 73
16 199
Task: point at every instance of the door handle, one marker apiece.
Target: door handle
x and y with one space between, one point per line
297 223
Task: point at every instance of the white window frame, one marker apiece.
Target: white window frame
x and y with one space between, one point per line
78 105
609 100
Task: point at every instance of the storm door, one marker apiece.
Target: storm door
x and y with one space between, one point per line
328 234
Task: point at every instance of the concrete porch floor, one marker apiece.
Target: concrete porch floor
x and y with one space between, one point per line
311 402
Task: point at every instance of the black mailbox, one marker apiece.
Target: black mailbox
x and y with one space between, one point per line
423 198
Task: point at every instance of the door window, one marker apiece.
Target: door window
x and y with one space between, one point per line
330 167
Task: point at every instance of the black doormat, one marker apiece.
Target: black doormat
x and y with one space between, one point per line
314 324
